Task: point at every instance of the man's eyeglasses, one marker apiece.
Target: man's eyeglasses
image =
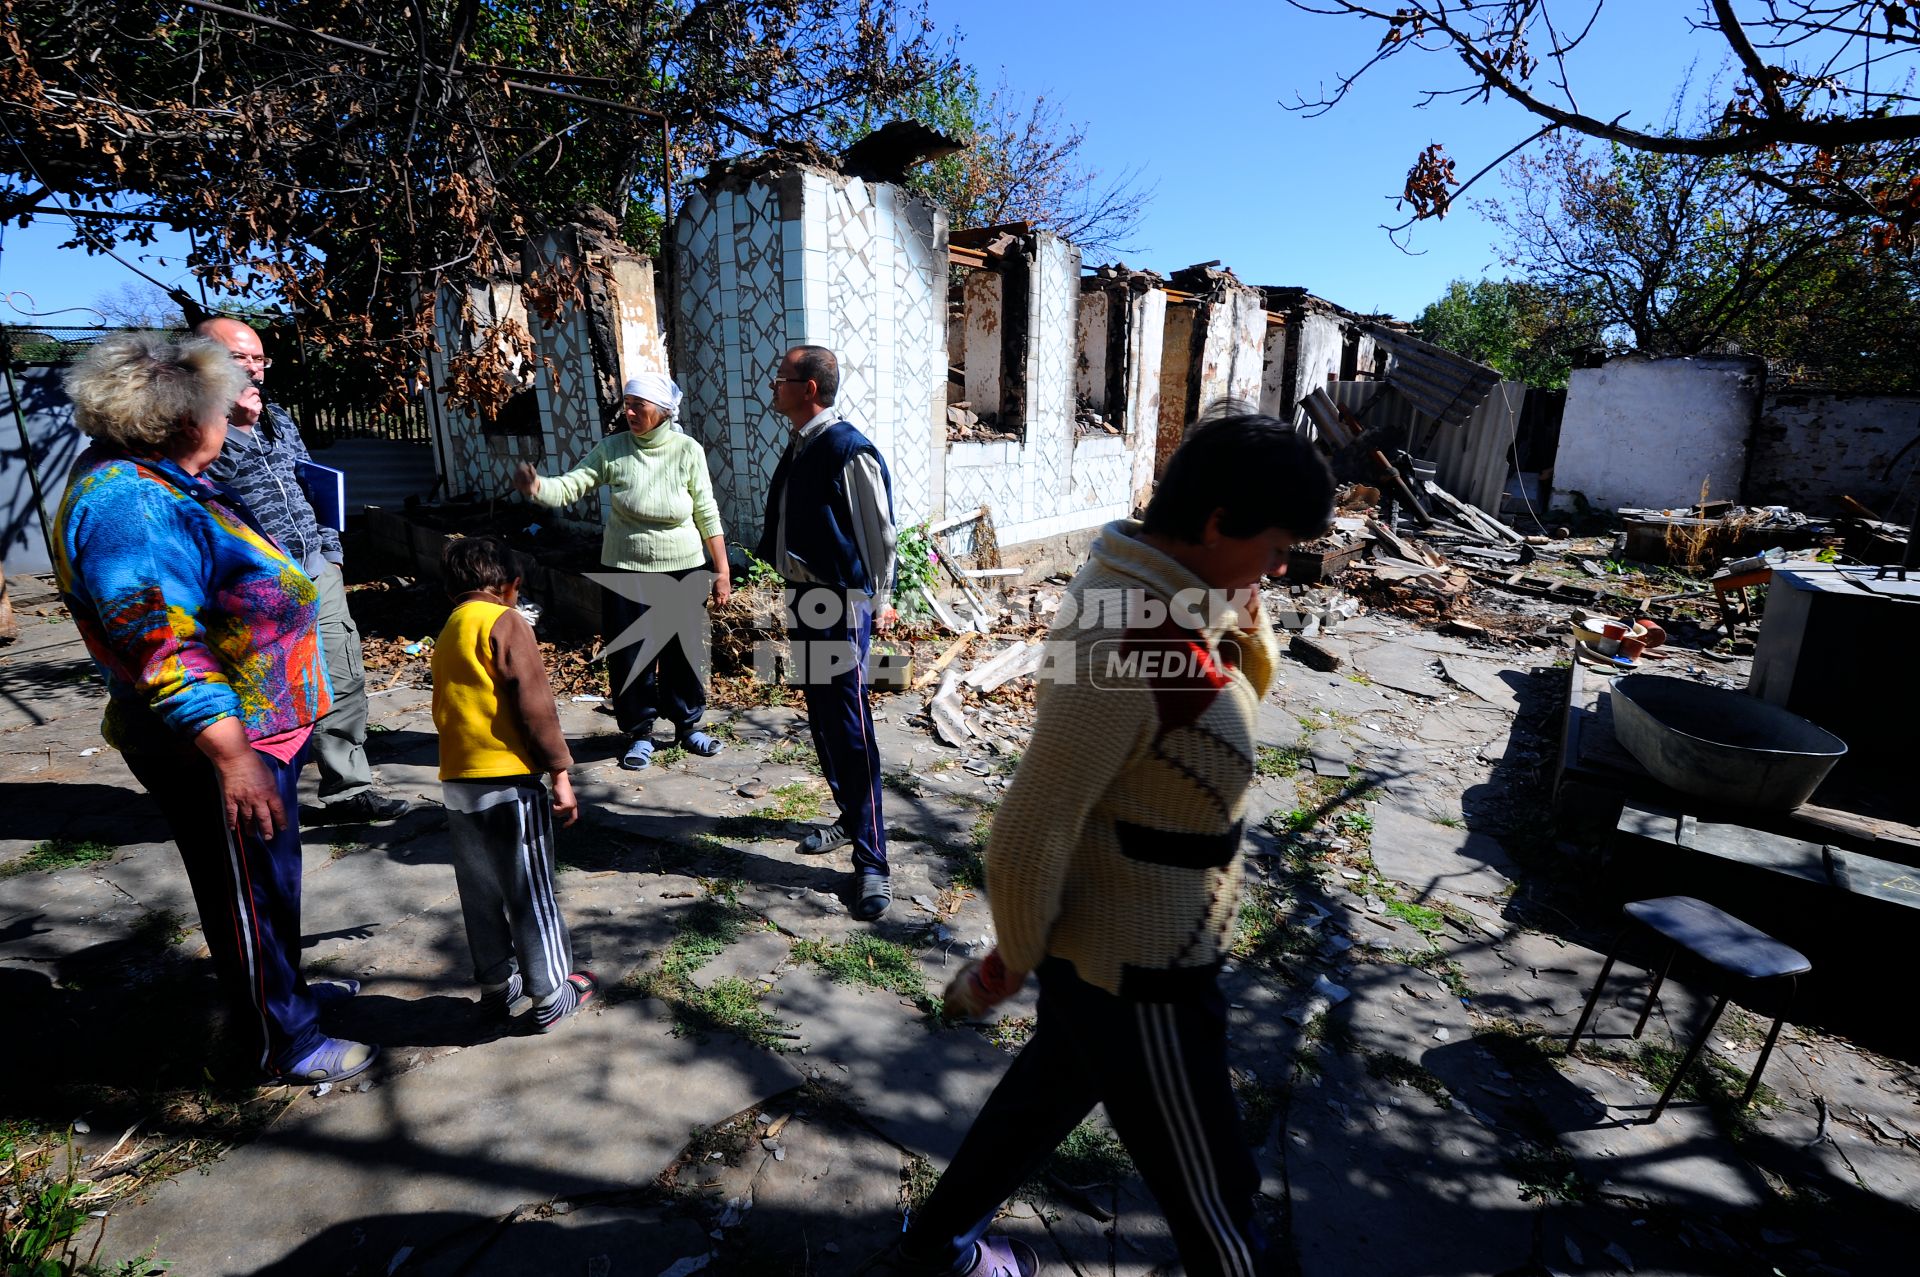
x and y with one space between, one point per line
790 381
260 361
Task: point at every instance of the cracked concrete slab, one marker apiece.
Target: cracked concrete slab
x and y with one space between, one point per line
1436 862
455 1138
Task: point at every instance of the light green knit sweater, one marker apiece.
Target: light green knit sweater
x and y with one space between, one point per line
663 507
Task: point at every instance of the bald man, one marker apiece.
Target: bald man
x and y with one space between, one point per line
259 462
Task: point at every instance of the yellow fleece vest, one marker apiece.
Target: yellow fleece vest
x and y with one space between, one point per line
480 736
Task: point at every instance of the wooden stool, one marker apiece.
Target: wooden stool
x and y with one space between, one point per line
1738 609
1724 943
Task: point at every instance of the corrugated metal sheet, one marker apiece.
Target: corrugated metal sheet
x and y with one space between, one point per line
1441 384
1472 456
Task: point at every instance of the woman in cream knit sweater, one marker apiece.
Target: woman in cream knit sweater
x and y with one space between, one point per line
1113 867
664 526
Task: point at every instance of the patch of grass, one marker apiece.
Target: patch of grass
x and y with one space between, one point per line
1429 922
1450 973
40 1230
1275 760
793 803
669 756
1358 677
344 845
917 1180
796 801
1264 935
160 929
1091 1156
1294 820
793 753
1327 1032
731 1005
1546 1174
56 854
1011 1032
1354 822
969 863
1389 1067
1713 1081
906 783
863 958
1260 1104
1451 822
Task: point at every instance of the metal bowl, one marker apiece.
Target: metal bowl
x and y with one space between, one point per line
1725 746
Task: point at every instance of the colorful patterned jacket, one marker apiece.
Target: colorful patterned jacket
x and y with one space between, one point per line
192 613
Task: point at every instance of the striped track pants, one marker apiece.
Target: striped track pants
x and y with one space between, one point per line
1160 1067
502 835
247 889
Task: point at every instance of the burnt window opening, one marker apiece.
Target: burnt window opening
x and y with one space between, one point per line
519 417
989 288
1102 355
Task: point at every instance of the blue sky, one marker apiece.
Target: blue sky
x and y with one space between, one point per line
1191 95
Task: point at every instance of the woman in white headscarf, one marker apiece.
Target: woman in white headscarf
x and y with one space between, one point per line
664 527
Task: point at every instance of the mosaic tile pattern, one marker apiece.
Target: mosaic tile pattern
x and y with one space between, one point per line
857 268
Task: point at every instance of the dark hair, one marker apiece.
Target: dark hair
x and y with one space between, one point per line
476 563
818 365
1256 470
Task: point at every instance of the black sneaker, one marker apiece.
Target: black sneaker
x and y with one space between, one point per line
364 808
823 840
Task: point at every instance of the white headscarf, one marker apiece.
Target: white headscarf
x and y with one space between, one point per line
656 388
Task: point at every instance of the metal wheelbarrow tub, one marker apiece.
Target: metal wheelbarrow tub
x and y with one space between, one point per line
1725 746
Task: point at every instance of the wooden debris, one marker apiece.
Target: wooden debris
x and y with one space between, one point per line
1400 488
946 658
1473 516
1315 655
942 612
1404 548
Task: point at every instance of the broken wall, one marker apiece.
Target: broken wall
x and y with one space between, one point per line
769 260
1648 433
1319 340
580 359
1053 480
1215 347
1810 448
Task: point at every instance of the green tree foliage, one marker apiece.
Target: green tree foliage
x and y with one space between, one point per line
1687 255
353 164
1527 332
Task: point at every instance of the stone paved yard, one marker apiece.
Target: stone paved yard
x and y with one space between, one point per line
764 1090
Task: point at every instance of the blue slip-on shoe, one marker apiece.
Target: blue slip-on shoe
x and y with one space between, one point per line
701 743
639 755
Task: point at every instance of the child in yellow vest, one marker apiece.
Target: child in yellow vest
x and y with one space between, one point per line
499 732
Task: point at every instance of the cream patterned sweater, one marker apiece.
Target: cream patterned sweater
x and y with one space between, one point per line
1117 845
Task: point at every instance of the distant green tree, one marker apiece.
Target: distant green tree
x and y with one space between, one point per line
1527 332
1687 255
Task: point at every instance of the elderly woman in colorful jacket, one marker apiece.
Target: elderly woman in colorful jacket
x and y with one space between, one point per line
203 630
664 527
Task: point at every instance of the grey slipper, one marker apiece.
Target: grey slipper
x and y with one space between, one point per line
874 894
823 840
